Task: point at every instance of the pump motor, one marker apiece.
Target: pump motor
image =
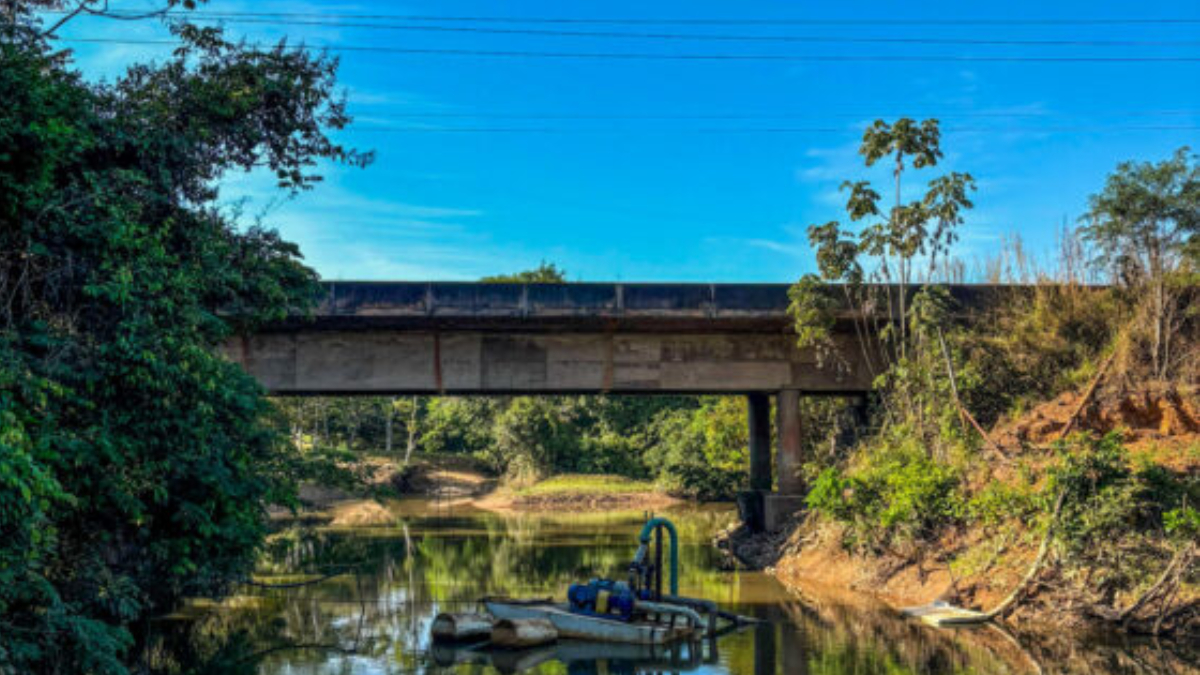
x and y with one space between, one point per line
602 597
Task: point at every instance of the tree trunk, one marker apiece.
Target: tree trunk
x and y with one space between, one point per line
412 432
903 272
1159 314
387 425
324 412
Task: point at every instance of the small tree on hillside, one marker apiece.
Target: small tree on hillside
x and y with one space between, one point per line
1144 225
880 255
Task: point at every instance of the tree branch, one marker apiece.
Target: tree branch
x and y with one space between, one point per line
103 12
80 9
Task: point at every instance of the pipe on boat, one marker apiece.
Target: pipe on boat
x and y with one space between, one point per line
644 538
713 611
666 608
707 606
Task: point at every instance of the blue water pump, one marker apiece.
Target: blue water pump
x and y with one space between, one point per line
603 598
617 599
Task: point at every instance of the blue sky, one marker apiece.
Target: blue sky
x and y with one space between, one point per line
576 169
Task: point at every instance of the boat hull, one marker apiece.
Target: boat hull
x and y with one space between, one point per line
583 627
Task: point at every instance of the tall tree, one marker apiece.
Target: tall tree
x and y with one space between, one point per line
136 463
887 248
1145 224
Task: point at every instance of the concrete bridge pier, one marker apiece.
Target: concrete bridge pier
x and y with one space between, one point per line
789 499
762 507
759 421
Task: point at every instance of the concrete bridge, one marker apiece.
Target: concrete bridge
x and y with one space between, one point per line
380 338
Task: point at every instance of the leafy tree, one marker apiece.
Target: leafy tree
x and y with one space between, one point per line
136 463
888 248
702 451
884 261
545 273
1145 226
877 260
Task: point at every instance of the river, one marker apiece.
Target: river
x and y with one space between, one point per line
372 616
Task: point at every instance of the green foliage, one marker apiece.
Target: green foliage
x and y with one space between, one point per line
532 438
924 227
693 446
574 483
1182 523
136 462
545 273
899 496
457 425
812 311
999 503
1118 519
904 332
702 452
1145 227
1146 216
1107 498
832 494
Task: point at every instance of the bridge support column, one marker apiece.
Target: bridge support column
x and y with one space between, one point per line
758 419
777 508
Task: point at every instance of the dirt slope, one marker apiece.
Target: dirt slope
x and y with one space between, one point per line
1158 424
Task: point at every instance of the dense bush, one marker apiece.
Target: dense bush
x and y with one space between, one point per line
896 494
1109 497
702 452
456 425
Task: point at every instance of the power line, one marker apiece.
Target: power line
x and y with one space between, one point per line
651 56
237 18
764 130
878 21
758 116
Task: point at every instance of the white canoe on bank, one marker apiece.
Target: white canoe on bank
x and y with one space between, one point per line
584 627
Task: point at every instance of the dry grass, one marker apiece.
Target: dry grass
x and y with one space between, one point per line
581 484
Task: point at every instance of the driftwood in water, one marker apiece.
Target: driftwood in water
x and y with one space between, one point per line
519 633
461 627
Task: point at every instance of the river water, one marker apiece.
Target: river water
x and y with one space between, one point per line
373 617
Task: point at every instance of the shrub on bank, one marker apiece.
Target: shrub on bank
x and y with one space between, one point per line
894 495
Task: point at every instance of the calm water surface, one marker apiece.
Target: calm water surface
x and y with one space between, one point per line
376 617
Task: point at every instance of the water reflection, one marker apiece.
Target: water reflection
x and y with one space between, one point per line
374 616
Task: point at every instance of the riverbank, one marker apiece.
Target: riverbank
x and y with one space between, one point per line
1133 579
577 492
463 482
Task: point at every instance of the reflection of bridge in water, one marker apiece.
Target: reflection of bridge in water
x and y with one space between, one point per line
380 338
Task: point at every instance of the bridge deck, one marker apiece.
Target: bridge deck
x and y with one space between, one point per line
444 337
565 307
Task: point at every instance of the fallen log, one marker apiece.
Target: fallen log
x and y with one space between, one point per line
521 633
1087 394
461 627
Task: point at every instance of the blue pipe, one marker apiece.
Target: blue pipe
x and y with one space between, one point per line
644 538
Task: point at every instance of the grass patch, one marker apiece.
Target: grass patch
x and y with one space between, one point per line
573 483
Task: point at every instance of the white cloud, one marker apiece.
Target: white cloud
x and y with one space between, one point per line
344 234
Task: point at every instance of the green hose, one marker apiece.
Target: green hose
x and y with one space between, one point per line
644 538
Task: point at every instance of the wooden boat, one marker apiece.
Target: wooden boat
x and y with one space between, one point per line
670 623
579 656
